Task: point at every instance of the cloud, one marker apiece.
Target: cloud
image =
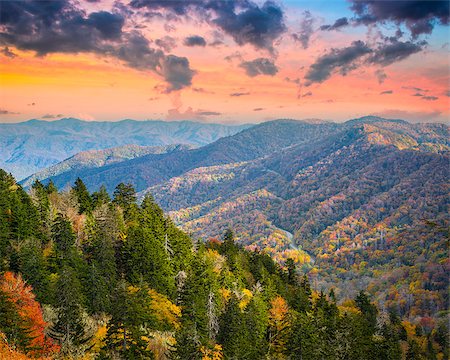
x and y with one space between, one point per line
413 116
386 92
358 54
237 94
167 43
309 93
394 51
420 17
194 40
341 22
342 60
306 30
208 113
8 53
60 27
418 94
190 114
430 98
245 21
260 66
381 75
52 116
7 112
415 88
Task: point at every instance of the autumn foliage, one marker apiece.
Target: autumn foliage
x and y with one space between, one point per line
29 310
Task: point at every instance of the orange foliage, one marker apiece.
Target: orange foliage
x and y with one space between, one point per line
29 310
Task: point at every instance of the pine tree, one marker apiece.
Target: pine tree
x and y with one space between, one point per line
100 197
69 329
129 324
83 196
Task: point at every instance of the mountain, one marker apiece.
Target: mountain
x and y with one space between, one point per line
362 204
255 142
364 207
33 145
97 158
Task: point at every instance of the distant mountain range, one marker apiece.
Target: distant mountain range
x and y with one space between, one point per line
362 202
34 145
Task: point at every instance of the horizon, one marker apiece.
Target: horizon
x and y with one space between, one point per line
224 62
232 124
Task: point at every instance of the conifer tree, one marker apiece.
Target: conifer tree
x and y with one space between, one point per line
69 329
83 196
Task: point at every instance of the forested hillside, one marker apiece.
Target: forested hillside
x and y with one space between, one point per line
87 276
364 208
358 205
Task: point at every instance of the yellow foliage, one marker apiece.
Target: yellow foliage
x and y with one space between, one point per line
225 294
246 297
164 310
212 354
99 336
410 328
215 259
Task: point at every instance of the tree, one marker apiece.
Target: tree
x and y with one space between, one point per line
69 328
83 196
32 324
131 319
125 197
100 197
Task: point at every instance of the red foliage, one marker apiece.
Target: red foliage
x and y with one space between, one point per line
29 310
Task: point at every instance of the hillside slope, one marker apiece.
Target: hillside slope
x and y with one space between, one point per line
255 142
366 207
97 158
33 145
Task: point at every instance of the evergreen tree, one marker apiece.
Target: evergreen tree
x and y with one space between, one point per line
83 196
100 197
69 329
129 324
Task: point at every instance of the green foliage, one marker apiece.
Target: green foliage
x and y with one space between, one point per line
110 262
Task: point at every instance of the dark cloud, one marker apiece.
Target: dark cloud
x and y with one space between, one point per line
7 112
415 88
418 94
386 92
237 94
208 113
341 22
167 43
258 109
420 17
381 75
394 51
359 53
260 66
245 21
447 93
8 53
430 98
259 26
306 30
47 26
194 40
202 90
342 60
176 72
52 116
309 93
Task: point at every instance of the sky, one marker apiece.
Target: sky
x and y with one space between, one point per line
229 61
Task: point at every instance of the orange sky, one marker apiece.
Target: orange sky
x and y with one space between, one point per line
90 86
